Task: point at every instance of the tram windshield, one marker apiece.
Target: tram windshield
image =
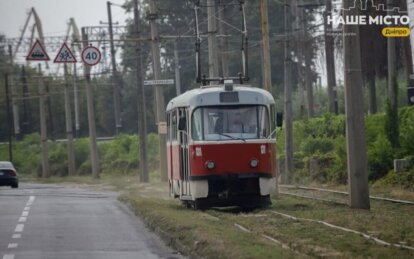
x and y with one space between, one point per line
217 123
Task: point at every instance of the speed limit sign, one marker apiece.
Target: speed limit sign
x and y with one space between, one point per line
91 55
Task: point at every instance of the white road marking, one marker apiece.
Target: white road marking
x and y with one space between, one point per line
26 208
8 256
32 198
17 236
12 245
25 214
22 219
19 228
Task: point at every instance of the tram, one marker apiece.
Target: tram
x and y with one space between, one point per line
221 146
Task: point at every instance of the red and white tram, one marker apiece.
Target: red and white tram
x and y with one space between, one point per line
221 146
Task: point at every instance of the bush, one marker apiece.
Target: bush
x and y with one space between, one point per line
317 145
380 158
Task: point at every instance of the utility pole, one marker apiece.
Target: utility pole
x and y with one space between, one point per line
223 39
177 69
91 114
26 102
16 120
142 121
308 63
330 61
43 128
288 96
115 78
159 95
76 98
69 128
354 112
299 37
392 80
49 109
9 117
212 46
267 75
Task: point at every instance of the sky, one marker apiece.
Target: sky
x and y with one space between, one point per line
55 14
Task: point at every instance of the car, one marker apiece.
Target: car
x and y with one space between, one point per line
8 175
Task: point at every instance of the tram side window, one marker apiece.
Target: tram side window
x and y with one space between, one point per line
174 125
168 127
196 127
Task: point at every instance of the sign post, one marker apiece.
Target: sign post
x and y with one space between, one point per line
65 56
38 53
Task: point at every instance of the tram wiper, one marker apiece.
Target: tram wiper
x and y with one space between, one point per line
229 136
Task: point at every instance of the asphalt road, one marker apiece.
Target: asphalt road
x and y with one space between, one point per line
51 221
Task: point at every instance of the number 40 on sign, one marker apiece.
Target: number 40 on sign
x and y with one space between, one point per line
91 55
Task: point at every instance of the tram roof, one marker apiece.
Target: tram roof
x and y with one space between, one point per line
211 95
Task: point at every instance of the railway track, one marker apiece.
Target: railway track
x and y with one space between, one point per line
338 197
334 197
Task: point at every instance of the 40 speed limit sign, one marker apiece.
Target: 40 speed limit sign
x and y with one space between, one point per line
91 55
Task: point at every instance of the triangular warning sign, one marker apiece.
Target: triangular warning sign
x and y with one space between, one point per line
37 53
65 55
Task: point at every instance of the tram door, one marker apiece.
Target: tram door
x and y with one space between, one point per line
184 153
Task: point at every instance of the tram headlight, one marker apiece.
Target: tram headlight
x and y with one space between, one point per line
254 163
210 164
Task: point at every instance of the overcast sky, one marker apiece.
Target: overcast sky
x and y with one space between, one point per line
55 14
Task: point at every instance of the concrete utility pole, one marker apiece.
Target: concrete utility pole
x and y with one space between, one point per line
308 63
354 111
43 128
177 69
267 74
223 39
115 77
159 95
26 102
392 77
16 120
69 128
9 117
299 37
330 61
288 96
76 99
49 110
91 114
142 121
212 45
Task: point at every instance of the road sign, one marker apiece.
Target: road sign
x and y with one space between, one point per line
91 56
65 55
159 82
37 53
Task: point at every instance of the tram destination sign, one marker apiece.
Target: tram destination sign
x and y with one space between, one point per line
159 82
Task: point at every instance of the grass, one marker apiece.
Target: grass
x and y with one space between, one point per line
212 234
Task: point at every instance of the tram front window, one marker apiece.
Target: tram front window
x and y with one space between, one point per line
230 122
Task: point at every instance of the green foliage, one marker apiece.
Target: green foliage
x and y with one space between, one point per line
116 156
380 157
407 130
391 125
120 155
317 145
323 139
